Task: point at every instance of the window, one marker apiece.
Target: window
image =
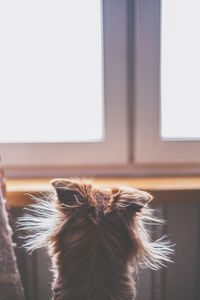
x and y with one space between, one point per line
96 66
63 83
180 68
51 71
167 95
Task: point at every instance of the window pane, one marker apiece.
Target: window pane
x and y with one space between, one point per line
180 69
51 71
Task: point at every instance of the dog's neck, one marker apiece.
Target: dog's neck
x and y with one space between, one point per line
89 266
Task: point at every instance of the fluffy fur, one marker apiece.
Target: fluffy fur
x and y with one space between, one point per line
96 237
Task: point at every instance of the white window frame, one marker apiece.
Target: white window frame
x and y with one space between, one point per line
114 149
132 145
148 147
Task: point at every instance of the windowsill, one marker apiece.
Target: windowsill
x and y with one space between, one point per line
18 189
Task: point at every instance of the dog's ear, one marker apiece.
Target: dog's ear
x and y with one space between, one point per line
127 199
72 192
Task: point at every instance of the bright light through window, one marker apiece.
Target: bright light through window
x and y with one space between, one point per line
51 71
180 69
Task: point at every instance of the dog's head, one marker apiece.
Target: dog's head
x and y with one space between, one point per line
110 215
76 197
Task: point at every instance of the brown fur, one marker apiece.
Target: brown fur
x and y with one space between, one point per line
96 238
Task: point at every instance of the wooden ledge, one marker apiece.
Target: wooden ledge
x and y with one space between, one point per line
18 190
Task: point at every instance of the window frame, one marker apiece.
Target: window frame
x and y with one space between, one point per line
115 145
149 148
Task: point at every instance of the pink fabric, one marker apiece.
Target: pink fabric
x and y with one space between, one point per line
10 283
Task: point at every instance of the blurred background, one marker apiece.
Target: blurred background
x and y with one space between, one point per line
105 89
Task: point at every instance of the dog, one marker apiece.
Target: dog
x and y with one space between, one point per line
97 237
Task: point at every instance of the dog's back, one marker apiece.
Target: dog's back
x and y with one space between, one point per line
93 255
